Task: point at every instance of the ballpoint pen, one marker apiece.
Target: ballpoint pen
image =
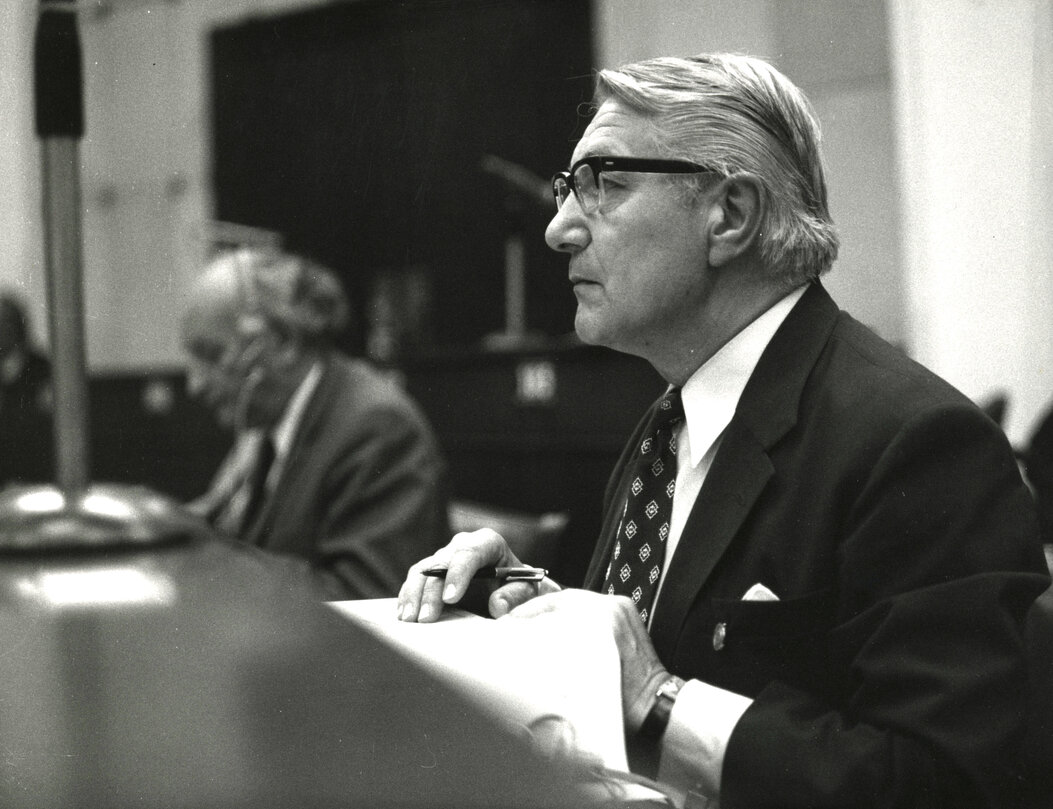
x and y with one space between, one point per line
520 573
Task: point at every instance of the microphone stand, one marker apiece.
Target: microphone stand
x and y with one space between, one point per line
60 126
73 514
525 193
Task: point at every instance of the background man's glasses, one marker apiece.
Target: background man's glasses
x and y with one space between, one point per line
585 177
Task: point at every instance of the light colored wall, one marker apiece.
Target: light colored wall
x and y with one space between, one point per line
21 235
146 188
974 108
628 30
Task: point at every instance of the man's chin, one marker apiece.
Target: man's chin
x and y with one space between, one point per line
587 330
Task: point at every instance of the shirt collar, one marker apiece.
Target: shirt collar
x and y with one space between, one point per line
712 393
285 430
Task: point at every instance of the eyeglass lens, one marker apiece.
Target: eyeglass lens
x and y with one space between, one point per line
587 188
584 185
560 188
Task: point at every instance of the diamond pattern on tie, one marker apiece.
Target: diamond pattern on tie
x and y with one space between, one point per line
639 547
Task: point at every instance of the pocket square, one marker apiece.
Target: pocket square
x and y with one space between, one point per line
759 592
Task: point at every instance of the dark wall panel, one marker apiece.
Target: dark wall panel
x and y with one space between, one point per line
357 130
145 430
537 431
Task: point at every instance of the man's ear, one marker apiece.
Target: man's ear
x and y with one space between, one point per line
736 211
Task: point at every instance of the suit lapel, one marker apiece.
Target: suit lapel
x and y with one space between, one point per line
738 475
766 411
260 530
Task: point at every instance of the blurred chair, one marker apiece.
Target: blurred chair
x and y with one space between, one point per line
1039 755
534 538
995 407
1037 458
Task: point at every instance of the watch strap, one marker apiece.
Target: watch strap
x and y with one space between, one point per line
657 719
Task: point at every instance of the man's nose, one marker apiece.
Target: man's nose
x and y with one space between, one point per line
568 232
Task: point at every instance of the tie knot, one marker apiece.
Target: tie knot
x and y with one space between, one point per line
667 412
670 410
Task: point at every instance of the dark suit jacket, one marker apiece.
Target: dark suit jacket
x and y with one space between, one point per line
1040 711
888 514
1038 461
26 440
362 494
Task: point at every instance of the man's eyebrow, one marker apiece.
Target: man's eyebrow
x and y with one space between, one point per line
590 152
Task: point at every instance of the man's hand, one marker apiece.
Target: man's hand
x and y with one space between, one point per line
423 597
642 671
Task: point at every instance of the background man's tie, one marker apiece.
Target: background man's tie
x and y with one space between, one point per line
639 546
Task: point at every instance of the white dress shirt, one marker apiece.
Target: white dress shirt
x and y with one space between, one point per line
704 716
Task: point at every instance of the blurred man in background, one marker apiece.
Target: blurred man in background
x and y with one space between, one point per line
26 442
333 466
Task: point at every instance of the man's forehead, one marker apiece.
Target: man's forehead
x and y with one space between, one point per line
208 317
615 130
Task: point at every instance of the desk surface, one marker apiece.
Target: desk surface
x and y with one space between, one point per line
196 675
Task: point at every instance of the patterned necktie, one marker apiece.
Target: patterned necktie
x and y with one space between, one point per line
639 545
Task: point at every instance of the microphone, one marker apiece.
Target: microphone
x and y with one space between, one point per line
58 96
246 389
246 366
523 184
251 365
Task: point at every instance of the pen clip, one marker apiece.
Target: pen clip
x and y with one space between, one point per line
521 573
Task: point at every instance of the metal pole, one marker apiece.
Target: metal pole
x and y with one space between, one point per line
60 125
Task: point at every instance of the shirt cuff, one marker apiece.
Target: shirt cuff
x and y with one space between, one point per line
693 745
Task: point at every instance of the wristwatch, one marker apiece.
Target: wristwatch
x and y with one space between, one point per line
657 718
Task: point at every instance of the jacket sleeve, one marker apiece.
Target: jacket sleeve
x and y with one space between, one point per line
385 508
937 565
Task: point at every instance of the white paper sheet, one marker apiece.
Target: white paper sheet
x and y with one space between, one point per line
559 682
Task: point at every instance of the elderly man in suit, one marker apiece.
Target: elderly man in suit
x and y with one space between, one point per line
26 444
333 467
817 555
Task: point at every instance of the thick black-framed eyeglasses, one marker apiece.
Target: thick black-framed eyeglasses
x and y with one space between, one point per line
585 177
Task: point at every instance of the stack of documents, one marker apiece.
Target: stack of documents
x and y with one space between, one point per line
557 683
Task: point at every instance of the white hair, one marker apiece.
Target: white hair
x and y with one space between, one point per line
739 114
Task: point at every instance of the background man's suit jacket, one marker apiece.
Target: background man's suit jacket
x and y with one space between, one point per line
361 495
889 517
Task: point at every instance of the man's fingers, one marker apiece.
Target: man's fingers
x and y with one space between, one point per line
504 599
419 590
410 595
422 597
431 600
